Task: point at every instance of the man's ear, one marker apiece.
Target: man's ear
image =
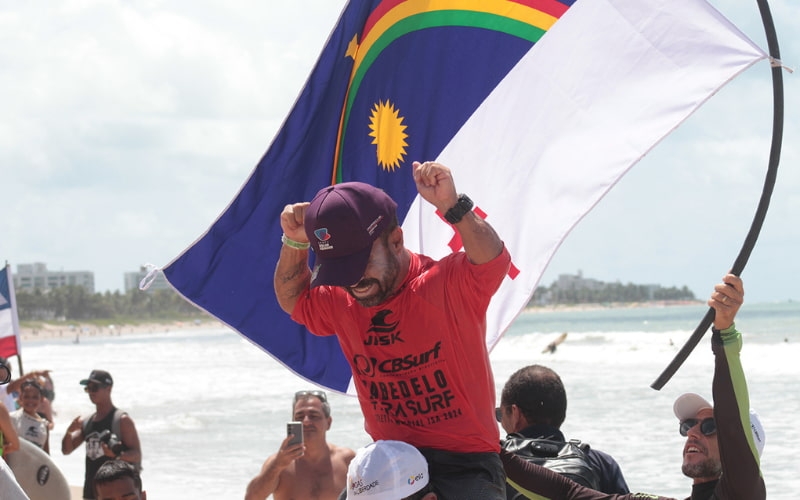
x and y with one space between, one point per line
518 420
396 239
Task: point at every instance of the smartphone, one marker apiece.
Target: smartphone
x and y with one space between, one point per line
296 430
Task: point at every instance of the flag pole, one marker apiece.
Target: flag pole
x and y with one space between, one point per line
14 319
766 193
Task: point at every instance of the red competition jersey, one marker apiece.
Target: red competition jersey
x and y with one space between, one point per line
419 360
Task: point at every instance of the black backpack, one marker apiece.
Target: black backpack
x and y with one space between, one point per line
570 459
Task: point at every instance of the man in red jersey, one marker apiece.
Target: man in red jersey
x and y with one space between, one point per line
413 329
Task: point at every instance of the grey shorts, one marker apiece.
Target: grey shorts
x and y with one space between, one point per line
466 476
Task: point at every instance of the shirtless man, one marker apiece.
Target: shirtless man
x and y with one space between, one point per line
315 470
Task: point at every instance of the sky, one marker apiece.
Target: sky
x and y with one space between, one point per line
126 128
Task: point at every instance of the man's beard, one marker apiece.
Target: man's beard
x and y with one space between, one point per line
386 283
707 468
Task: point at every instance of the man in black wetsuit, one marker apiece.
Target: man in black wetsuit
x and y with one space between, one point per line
723 444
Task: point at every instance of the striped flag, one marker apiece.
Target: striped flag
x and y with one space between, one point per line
538 107
9 322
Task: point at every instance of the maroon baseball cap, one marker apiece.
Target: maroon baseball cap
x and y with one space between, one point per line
341 223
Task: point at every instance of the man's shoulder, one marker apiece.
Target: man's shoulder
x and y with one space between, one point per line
341 452
123 418
602 454
568 458
123 415
602 458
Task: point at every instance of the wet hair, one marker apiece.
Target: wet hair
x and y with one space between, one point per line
114 470
539 394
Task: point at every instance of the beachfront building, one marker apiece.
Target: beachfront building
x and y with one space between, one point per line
564 283
36 276
575 289
132 280
577 281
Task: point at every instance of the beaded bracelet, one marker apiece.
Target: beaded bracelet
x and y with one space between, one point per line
294 244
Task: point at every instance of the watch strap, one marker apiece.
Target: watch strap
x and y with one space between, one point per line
459 210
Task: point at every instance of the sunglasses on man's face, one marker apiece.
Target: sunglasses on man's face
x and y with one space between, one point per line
304 394
93 387
707 426
498 414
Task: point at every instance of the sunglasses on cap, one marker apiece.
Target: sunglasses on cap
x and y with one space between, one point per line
93 387
707 426
304 394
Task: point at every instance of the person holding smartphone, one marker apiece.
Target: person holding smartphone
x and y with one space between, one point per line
305 466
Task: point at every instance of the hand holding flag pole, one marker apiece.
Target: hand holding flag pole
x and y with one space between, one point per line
763 205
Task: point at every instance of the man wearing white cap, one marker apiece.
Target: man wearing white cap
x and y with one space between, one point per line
723 443
701 455
389 470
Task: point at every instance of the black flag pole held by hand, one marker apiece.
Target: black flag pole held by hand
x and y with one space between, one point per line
763 205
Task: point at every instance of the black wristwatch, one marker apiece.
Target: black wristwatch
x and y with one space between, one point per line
459 210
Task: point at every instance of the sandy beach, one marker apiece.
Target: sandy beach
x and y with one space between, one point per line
77 331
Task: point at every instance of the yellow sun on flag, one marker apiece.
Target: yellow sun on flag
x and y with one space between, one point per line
388 134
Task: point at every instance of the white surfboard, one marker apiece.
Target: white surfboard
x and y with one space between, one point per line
38 475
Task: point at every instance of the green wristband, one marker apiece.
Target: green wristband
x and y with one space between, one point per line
294 244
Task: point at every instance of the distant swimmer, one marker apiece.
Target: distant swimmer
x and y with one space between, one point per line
552 346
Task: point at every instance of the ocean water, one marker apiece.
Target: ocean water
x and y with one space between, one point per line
210 406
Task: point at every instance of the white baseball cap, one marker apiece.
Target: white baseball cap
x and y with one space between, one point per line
687 405
386 470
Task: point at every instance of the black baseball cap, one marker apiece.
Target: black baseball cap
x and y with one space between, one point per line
342 222
101 377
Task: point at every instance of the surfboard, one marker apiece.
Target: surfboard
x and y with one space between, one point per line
38 475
